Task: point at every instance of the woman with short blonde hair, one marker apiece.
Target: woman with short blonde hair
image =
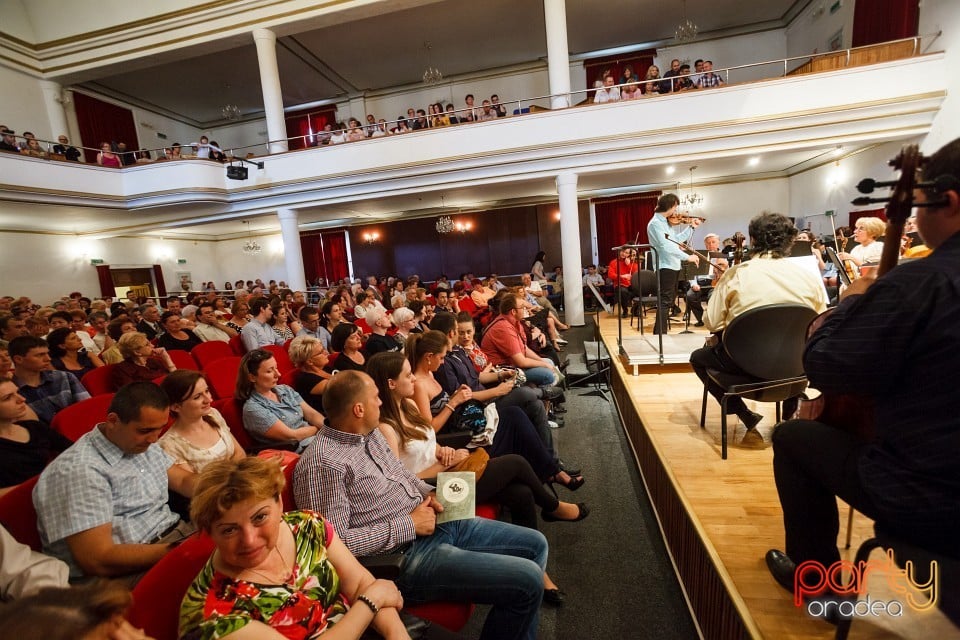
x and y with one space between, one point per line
273 571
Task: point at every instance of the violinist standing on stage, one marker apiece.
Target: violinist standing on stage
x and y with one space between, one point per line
697 295
764 279
895 340
666 222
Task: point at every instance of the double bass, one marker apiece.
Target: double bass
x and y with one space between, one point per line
844 411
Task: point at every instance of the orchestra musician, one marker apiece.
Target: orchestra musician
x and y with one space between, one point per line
666 222
894 340
696 295
625 264
764 279
866 232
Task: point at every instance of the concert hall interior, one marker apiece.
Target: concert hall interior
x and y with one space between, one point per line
808 98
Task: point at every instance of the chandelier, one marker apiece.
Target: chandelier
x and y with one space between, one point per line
692 199
444 224
251 246
687 29
432 75
230 112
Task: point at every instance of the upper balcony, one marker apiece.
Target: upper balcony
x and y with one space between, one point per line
608 145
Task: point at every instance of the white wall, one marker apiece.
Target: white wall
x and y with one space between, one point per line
937 15
730 52
812 30
50 20
729 207
21 104
16 21
833 186
64 262
232 263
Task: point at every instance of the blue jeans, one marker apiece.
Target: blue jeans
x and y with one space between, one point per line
541 376
481 561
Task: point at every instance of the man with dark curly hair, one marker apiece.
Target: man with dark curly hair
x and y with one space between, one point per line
764 279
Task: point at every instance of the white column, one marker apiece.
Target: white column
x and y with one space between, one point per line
558 55
292 253
53 101
266 42
70 107
570 248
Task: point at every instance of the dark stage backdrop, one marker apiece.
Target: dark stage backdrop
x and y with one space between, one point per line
502 241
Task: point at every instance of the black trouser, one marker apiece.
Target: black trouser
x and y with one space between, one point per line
511 481
813 463
695 300
716 358
668 293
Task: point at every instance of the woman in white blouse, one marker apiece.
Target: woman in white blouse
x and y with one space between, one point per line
199 435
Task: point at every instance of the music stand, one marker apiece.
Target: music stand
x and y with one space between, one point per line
838 263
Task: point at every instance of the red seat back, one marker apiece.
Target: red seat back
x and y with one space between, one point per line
288 461
232 412
206 352
18 516
81 417
289 377
467 304
183 360
157 597
281 356
99 380
236 345
222 376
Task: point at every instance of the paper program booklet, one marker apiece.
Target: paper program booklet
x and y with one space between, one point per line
457 492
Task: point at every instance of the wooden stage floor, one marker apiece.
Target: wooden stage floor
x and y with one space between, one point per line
719 517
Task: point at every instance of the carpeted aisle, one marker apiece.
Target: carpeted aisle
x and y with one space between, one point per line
613 565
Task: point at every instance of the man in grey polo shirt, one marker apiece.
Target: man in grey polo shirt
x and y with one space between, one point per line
257 334
102 504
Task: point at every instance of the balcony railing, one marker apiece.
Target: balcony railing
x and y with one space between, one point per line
739 74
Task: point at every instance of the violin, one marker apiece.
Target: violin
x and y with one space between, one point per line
844 411
738 240
848 265
720 268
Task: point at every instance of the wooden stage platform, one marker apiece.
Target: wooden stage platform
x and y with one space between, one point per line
719 517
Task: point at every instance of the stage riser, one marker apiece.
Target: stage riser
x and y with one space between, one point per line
709 599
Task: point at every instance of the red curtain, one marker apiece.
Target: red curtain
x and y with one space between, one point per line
640 61
871 213
621 220
158 276
883 20
106 281
307 124
324 256
101 122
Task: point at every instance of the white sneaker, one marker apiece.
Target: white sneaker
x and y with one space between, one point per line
552 424
562 341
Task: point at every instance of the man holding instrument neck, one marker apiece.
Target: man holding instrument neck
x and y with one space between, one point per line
696 294
662 226
893 340
765 279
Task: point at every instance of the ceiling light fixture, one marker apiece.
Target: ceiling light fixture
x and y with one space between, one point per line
444 224
687 29
692 199
251 246
432 75
231 112
754 161
670 170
